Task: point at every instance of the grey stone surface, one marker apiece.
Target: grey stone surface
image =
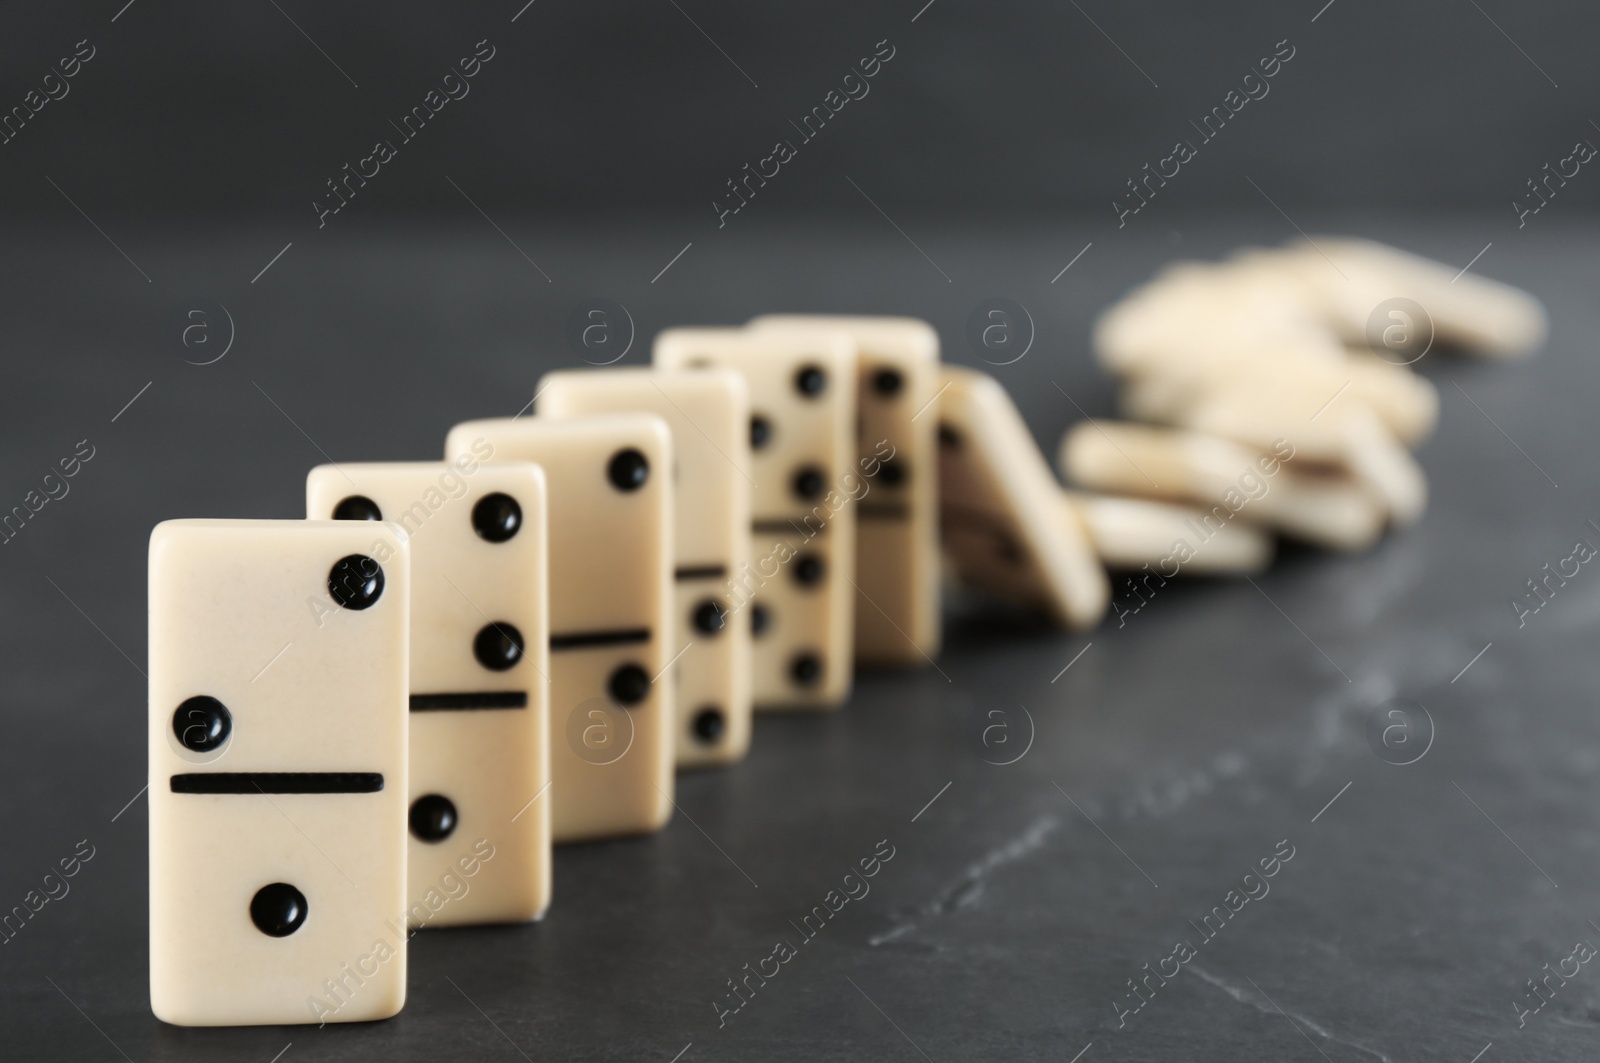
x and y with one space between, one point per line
1179 749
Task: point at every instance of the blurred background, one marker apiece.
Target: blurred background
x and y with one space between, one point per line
219 117
162 159
213 160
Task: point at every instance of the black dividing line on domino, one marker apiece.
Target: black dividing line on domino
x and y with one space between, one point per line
693 572
580 640
278 782
883 510
788 524
487 699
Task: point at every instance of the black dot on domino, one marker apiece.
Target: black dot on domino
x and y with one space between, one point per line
278 910
202 723
356 581
628 470
806 669
887 382
710 617
357 507
949 437
892 473
628 685
496 517
810 381
433 817
498 646
709 724
760 619
809 482
809 570
760 431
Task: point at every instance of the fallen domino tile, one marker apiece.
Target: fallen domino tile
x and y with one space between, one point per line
1355 280
999 511
1129 533
1407 403
1344 434
1316 506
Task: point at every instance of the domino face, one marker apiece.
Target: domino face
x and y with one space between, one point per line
708 414
897 618
277 745
797 593
479 695
1000 510
611 512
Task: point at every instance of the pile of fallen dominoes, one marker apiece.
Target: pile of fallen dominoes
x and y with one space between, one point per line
1282 386
382 717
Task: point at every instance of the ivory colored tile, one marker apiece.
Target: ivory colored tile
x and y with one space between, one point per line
479 692
611 706
1000 508
277 745
897 617
709 415
798 593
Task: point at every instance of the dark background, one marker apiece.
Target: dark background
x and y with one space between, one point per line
218 114
1219 720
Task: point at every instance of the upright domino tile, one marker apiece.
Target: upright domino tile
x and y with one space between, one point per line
1005 530
897 529
277 746
798 591
709 415
611 710
480 732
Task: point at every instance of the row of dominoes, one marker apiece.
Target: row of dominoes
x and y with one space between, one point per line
382 717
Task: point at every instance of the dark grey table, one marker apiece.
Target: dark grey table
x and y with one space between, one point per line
1219 724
